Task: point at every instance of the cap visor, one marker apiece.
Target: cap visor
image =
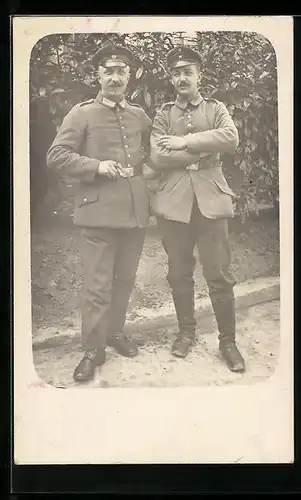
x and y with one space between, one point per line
179 64
110 64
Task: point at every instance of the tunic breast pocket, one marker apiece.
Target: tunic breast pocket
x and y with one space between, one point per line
177 126
101 138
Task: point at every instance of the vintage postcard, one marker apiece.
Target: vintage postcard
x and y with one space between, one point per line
153 239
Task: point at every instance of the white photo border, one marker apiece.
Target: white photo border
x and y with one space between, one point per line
55 426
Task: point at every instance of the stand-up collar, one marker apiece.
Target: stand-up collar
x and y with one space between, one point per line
193 102
110 104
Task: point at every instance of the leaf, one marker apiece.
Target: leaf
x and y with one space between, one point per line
147 98
237 55
139 72
135 94
231 109
265 73
243 166
251 144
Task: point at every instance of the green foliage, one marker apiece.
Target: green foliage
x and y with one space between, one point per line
239 68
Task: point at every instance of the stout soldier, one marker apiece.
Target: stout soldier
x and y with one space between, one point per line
192 201
104 143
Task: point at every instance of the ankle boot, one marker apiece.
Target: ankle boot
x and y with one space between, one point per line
85 370
184 306
223 304
181 345
231 355
123 345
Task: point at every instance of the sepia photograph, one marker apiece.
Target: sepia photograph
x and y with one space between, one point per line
154 204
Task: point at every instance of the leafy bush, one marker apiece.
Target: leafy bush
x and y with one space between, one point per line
239 68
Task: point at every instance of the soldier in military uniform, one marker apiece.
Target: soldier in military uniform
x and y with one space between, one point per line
192 201
104 143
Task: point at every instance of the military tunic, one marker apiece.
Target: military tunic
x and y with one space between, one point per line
99 130
196 172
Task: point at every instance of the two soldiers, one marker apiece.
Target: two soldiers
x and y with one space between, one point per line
105 143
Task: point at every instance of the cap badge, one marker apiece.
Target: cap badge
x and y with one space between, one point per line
114 56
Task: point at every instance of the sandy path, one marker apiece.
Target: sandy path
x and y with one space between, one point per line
258 337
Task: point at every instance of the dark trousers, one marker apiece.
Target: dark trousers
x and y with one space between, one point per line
211 237
110 260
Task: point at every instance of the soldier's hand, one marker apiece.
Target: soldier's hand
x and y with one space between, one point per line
120 170
110 169
172 142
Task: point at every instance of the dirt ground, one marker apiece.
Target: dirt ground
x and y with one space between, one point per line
57 277
56 291
258 337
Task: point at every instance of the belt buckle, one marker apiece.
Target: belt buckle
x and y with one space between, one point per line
193 166
128 172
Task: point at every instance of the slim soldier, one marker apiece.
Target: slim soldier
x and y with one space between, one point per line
192 201
104 143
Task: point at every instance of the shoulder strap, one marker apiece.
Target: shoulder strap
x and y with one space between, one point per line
136 105
167 105
210 111
84 103
211 99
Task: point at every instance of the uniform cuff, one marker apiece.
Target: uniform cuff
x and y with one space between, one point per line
91 170
192 144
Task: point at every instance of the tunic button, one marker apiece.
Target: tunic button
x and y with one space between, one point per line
188 116
126 146
85 199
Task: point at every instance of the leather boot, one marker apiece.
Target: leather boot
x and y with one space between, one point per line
85 370
181 346
224 308
184 306
231 355
123 345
